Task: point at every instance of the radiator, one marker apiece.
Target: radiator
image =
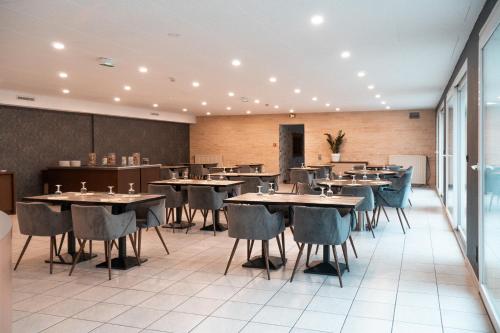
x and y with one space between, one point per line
199 158
419 163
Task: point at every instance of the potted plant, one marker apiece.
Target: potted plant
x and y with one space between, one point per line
335 143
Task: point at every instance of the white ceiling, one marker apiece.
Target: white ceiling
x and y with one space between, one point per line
407 48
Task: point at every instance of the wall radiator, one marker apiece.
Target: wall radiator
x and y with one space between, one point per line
199 158
419 163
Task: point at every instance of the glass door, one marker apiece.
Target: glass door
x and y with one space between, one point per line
440 151
450 193
461 160
489 167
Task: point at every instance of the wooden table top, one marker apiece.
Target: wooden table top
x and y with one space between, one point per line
371 172
359 182
380 166
306 168
250 164
174 167
296 200
96 198
197 182
246 174
320 166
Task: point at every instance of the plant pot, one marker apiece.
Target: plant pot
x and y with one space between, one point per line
335 157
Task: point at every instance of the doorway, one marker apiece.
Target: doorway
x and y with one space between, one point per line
291 148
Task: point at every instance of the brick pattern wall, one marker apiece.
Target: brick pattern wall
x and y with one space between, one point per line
371 136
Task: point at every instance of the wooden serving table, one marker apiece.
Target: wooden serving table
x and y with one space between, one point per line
119 203
285 199
218 185
7 192
98 178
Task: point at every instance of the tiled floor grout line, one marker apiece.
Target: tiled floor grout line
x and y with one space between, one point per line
437 284
399 280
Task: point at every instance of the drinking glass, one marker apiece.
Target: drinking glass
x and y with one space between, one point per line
322 195
231 170
329 193
111 190
83 190
340 177
365 177
302 165
221 176
58 189
209 177
186 174
378 176
131 189
174 175
259 187
354 179
256 170
271 189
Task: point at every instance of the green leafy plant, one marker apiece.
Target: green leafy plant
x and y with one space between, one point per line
336 142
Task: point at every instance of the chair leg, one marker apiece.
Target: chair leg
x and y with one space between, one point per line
353 248
61 244
169 211
400 221
309 248
337 265
378 214
108 260
192 213
249 248
344 251
51 256
385 213
282 252
162 240
293 188
90 248
317 248
106 251
139 242
283 241
135 249
23 251
292 229
409 201
232 254
204 213
404 215
265 246
369 223
77 257
301 248
213 221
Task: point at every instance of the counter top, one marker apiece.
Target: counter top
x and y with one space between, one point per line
104 167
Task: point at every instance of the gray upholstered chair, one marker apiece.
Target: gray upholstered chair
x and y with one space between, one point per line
37 219
166 173
397 197
245 169
205 199
97 223
254 222
303 188
300 176
394 167
215 169
358 167
250 185
150 216
173 200
367 205
323 226
198 171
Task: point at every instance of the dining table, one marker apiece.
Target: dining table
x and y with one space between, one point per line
381 166
270 177
362 172
119 203
325 168
218 185
254 165
288 199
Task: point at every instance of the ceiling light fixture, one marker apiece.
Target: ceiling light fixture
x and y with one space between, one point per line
297 90
327 105
383 103
337 109
291 111
248 112
228 108
184 110
63 75
230 94
127 88
387 107
276 106
65 91
256 101
273 79
58 45
204 103
117 99
361 74
208 113
314 99
195 84
377 96
317 20
371 87
236 62
143 69
345 54
155 105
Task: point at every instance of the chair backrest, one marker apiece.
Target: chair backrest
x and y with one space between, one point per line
253 222
245 169
37 219
319 225
361 191
250 185
166 173
394 167
197 170
153 213
204 197
358 167
300 176
97 223
173 199
303 188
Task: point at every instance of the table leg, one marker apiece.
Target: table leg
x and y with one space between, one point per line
260 263
179 224
326 267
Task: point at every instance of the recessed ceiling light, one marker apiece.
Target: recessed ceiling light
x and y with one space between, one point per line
155 105
273 79
65 91
327 105
195 84
236 62
184 110
498 97
204 103
297 90
491 103
127 88
387 107
276 106
377 96
228 108
371 87
256 101
383 102
291 111
345 54
317 20
230 94
143 69
314 99
361 74
208 113
337 109
117 99
63 75
58 45
248 112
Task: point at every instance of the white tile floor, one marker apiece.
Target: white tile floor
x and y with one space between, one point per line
413 283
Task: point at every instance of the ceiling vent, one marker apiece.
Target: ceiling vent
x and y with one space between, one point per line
154 114
26 98
414 115
106 62
244 99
